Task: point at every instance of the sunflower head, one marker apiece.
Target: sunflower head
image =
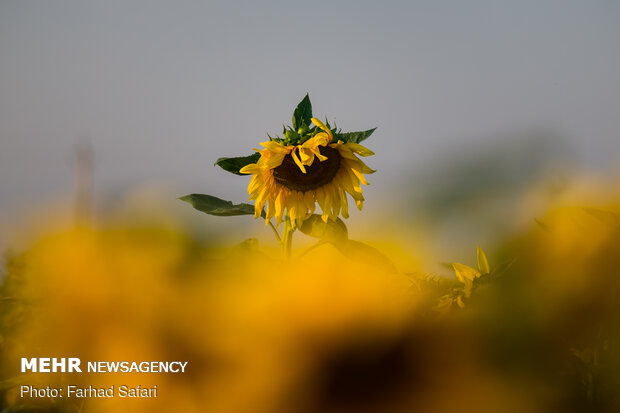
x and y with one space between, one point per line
312 163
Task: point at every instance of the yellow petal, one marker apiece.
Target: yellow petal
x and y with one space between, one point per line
251 168
360 166
310 143
352 185
254 184
276 147
360 176
322 138
465 272
344 203
336 202
270 211
344 151
306 156
328 204
279 207
320 198
310 202
317 153
274 160
359 149
298 162
320 125
293 208
483 263
258 209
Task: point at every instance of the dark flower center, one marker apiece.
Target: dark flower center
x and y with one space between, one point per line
317 174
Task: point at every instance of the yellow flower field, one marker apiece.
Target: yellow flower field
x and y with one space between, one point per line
528 324
533 327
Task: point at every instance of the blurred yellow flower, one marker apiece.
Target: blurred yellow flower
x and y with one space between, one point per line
483 262
289 179
466 275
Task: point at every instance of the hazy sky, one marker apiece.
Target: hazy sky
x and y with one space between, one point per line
162 89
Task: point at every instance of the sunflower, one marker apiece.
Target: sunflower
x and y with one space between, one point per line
293 178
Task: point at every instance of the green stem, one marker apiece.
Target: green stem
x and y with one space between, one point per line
287 238
275 231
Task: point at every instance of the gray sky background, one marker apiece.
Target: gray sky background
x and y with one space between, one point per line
162 89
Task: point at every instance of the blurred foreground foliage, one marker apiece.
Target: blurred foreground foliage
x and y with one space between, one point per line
533 327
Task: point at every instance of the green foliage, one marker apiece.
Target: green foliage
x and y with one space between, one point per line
355 137
302 113
233 165
212 205
303 128
336 233
364 253
331 231
291 136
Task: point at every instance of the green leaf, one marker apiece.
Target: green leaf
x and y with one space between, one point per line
483 262
336 233
367 255
250 244
215 206
291 135
302 113
355 137
330 231
303 129
233 165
